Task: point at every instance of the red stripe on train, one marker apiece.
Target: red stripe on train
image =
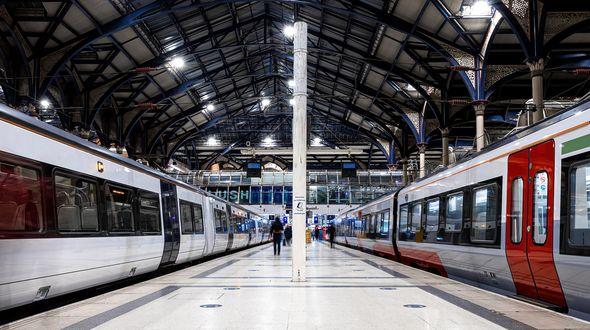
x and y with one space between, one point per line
427 260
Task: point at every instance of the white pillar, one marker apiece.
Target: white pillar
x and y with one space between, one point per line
422 151
405 171
479 125
444 132
299 151
537 86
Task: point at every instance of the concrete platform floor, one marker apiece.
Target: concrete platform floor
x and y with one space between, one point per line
346 289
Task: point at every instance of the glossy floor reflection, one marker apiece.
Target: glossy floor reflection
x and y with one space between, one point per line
346 289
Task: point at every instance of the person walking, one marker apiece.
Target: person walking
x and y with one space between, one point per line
277 232
288 234
317 233
331 234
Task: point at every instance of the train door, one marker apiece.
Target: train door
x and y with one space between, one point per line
171 226
529 229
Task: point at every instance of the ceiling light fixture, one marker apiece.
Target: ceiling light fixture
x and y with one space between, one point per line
176 63
212 141
478 8
44 103
265 103
210 107
289 31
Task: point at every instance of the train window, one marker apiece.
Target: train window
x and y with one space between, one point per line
403 222
384 225
186 217
20 198
416 218
432 208
149 213
540 201
369 223
579 222
516 210
454 213
119 209
198 218
484 213
220 221
75 203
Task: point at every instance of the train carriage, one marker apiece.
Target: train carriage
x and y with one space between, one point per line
74 215
514 218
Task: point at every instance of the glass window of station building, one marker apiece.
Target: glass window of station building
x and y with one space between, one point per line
276 187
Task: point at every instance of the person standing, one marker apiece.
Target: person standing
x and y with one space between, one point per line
288 234
277 232
331 234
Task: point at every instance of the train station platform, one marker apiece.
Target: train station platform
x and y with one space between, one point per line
346 289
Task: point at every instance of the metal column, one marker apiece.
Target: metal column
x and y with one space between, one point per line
405 171
479 125
422 151
444 133
537 86
299 151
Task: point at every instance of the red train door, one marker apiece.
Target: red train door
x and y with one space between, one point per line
529 223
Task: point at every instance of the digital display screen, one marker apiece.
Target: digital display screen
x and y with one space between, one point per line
348 170
254 166
254 170
349 165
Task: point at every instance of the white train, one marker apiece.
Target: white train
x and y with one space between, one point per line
514 218
73 215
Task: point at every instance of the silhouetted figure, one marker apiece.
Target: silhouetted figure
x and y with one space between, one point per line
277 232
317 233
331 234
288 235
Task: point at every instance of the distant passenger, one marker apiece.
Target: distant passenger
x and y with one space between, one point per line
277 232
331 234
288 235
317 233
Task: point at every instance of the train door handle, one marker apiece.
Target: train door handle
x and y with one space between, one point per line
528 229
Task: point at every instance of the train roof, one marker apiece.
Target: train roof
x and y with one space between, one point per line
15 117
546 122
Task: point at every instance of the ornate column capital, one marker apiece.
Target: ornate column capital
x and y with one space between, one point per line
479 106
444 132
537 67
422 147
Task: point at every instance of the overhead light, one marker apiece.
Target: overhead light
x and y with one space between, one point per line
410 88
292 102
212 141
291 83
176 63
316 142
210 107
44 103
265 103
478 8
289 31
268 141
